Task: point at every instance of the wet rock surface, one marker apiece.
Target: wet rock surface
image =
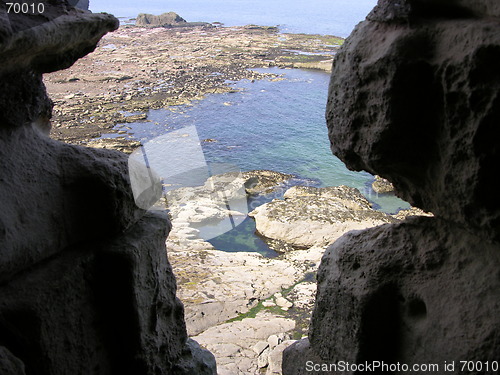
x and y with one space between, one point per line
382 186
413 97
135 69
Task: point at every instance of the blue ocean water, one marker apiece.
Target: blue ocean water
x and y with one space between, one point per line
268 124
332 17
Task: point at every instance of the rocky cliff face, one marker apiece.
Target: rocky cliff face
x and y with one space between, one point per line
85 284
415 97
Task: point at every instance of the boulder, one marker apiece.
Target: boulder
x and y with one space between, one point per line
264 181
382 186
399 293
413 98
311 216
170 19
85 283
165 19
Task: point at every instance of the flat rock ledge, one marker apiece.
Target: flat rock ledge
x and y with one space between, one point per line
243 307
311 216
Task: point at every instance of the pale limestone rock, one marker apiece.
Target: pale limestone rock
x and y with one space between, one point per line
263 359
275 358
273 341
283 303
414 98
259 347
244 334
316 216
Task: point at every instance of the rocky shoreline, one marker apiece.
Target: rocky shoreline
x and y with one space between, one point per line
243 307
135 69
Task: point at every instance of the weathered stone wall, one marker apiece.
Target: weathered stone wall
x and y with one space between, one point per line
85 283
415 97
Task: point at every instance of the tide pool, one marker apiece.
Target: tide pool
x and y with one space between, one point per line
332 17
269 124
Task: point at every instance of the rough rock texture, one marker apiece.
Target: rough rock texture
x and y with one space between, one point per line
10 365
403 293
316 216
170 19
264 181
114 311
414 98
416 102
85 284
382 186
239 358
221 203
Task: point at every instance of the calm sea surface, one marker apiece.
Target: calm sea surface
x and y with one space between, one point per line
334 17
268 124
276 125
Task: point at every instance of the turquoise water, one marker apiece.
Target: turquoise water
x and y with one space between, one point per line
276 125
334 17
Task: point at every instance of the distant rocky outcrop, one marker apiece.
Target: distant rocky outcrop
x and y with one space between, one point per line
414 98
170 19
85 283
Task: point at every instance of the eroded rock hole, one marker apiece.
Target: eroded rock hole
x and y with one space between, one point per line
417 308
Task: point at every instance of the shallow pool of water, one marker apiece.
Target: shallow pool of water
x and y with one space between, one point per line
268 124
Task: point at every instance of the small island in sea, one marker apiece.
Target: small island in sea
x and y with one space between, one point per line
138 68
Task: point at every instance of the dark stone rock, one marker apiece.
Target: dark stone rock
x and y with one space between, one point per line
85 283
52 41
55 195
114 312
10 365
195 360
300 359
406 11
431 132
417 292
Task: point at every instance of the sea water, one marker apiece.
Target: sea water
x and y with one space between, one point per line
329 17
267 124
